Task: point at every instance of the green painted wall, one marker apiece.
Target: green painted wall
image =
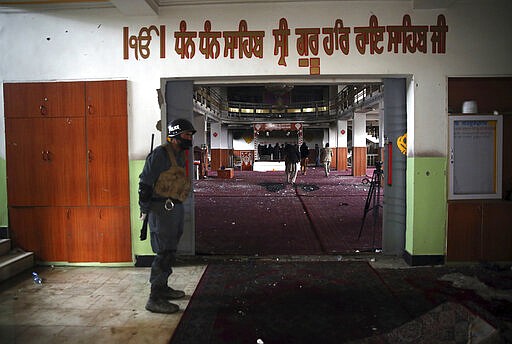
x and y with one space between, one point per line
138 247
3 194
426 206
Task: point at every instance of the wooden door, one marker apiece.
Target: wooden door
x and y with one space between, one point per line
23 99
106 98
113 226
28 167
40 230
107 146
83 243
64 99
48 99
464 237
65 139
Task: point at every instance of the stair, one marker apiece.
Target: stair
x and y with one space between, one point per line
13 261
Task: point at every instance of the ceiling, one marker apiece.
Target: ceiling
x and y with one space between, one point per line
152 7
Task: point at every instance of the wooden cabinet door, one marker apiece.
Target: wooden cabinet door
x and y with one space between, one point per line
40 230
83 243
46 161
107 145
464 237
113 225
23 99
99 234
23 229
47 99
28 167
106 98
65 139
64 99
496 233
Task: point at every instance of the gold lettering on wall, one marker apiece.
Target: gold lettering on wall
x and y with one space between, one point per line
311 43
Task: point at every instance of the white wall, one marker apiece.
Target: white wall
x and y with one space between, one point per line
88 44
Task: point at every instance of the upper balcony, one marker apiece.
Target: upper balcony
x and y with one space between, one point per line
352 98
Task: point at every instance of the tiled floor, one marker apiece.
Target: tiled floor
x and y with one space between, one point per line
88 305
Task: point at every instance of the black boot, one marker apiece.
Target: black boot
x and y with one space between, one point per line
161 306
172 294
157 302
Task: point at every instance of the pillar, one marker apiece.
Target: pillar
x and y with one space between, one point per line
219 146
341 146
359 144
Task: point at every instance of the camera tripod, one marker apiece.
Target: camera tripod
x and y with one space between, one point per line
373 199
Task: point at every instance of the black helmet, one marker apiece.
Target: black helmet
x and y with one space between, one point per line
179 126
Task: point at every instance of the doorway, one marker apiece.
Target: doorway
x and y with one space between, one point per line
392 237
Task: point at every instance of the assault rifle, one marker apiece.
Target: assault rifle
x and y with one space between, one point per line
144 229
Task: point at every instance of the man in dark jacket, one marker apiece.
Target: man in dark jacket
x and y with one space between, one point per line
304 157
163 187
291 159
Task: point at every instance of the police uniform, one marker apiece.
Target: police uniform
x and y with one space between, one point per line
163 186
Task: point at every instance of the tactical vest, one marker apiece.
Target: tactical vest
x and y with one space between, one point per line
174 182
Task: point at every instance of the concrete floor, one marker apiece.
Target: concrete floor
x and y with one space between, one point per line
88 305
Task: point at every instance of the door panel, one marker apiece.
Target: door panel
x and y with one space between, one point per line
64 99
464 231
106 98
23 99
115 234
23 229
82 236
40 230
28 168
67 159
108 161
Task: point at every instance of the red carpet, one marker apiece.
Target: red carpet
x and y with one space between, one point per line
339 302
256 213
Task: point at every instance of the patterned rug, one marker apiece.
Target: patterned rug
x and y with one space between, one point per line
322 302
257 213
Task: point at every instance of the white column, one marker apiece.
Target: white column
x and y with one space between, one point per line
359 130
342 133
215 135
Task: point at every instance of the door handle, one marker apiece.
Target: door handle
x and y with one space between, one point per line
46 155
90 109
43 110
90 155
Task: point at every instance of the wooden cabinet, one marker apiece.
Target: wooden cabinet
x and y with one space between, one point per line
107 150
67 170
46 162
105 99
52 99
479 230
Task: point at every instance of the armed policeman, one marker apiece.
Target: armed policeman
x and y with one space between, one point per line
163 187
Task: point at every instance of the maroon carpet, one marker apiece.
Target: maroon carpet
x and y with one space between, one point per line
257 213
338 302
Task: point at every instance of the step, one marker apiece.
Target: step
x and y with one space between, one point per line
5 246
15 262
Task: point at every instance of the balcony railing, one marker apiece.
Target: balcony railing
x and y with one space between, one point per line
215 106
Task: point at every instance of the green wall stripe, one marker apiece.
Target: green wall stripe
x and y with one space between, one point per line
3 194
426 206
138 247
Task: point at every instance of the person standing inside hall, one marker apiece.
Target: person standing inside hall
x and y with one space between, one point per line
291 159
304 157
326 156
163 187
317 155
